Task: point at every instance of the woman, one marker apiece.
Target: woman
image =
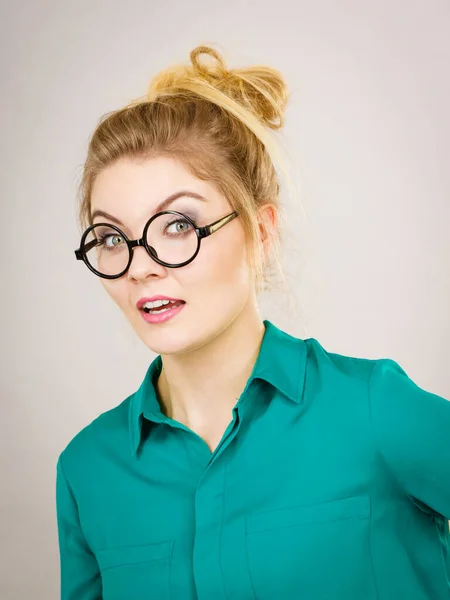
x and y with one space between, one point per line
249 463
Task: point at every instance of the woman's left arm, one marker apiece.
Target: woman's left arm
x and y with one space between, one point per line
412 433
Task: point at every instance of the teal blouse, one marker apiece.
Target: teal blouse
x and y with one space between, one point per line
332 481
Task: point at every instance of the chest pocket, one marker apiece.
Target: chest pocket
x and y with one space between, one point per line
136 571
313 551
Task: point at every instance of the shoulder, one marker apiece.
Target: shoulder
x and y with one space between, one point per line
338 369
400 407
109 429
386 382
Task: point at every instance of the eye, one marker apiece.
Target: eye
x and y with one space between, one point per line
111 240
179 227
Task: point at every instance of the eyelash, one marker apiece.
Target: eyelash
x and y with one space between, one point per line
190 215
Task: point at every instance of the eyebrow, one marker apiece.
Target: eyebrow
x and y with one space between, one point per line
160 207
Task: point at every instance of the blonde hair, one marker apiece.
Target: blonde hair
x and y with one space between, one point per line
216 121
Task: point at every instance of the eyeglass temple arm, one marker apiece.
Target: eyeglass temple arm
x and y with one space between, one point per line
87 247
209 229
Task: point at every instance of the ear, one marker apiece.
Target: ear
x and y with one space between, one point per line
268 223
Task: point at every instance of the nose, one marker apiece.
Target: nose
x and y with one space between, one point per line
143 266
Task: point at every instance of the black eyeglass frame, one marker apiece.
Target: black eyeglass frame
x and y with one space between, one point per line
202 232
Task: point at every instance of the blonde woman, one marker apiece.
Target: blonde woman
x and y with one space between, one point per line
250 463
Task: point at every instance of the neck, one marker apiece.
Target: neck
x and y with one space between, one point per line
200 388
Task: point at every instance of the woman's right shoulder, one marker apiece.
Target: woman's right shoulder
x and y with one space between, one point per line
105 432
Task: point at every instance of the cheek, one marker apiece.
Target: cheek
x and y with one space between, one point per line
219 265
116 291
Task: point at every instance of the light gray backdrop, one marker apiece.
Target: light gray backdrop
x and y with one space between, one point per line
368 132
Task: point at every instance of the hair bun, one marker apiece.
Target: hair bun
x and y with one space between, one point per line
260 89
221 68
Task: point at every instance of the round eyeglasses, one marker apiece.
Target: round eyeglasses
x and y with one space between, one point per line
171 238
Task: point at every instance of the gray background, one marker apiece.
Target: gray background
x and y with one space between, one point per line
368 131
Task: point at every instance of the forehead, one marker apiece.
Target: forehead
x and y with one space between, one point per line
139 184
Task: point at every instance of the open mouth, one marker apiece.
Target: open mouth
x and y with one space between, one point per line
161 306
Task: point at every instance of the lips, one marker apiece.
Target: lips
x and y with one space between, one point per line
161 317
163 308
140 303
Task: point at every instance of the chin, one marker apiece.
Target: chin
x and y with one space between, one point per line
166 338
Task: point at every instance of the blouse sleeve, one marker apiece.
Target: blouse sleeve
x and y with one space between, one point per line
79 572
412 433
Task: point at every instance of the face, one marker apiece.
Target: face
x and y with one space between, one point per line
216 286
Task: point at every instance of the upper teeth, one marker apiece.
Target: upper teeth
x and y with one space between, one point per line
156 303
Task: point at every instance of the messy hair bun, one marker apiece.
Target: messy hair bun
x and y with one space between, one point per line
261 90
